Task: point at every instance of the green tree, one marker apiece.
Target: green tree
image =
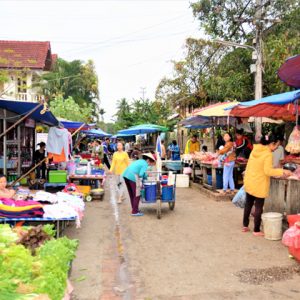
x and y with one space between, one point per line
70 110
70 79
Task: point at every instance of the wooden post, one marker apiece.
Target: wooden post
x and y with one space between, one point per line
19 149
214 177
4 143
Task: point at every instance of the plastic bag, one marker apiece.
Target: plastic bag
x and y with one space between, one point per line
291 237
239 200
293 145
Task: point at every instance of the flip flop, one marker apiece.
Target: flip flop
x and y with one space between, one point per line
245 229
259 233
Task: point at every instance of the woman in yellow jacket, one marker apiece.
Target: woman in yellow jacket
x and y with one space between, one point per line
120 162
257 180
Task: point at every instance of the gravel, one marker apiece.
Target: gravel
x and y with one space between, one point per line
268 275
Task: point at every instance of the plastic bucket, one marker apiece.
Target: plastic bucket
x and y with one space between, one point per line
219 180
150 191
272 222
167 193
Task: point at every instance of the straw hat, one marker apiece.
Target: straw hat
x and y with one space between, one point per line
149 155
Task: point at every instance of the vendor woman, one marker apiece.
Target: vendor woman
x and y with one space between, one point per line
242 144
5 192
132 176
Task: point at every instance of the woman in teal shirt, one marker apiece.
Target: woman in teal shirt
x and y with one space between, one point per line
132 174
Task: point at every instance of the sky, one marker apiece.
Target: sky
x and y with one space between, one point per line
132 43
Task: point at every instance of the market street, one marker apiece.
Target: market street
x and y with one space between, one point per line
194 252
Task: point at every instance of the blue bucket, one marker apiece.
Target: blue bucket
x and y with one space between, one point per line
167 193
150 191
219 180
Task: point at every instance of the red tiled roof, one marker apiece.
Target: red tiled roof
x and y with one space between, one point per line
23 54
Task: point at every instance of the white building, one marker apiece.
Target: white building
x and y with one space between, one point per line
20 63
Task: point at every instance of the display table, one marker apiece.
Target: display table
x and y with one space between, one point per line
99 178
60 224
238 168
284 196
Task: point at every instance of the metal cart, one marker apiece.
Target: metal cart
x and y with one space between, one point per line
158 192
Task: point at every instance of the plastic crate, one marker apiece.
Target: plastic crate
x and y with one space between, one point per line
58 176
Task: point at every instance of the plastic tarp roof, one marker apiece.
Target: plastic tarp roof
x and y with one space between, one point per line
215 110
96 133
142 129
289 72
278 99
22 108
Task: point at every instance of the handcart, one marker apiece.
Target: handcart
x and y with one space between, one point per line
155 189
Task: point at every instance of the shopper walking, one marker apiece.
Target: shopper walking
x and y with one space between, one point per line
132 175
257 180
120 162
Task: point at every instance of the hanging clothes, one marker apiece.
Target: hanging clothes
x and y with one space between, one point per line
58 144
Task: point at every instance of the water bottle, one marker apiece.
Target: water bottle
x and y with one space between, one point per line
89 168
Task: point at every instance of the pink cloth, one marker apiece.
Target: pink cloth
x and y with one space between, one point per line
12 202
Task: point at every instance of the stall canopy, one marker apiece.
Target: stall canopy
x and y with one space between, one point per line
275 106
142 129
72 125
215 110
22 108
96 133
289 72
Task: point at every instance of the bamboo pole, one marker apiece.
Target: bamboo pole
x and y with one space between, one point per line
42 161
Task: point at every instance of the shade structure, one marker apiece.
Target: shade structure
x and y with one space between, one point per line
143 129
285 112
96 133
215 110
289 72
276 106
72 125
22 108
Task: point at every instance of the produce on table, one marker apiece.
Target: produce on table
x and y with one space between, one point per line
43 276
293 145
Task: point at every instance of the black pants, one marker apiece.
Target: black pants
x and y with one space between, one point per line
106 161
259 205
41 171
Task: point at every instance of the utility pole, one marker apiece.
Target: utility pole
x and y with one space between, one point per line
143 92
258 22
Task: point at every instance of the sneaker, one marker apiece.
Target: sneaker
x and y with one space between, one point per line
259 233
139 214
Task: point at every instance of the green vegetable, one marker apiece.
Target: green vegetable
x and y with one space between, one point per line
49 229
7 235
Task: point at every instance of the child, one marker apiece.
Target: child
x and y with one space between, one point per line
4 192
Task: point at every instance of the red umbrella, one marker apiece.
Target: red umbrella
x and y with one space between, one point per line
289 72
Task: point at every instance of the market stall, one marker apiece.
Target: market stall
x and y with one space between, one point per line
284 192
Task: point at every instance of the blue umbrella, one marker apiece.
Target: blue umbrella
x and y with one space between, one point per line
96 133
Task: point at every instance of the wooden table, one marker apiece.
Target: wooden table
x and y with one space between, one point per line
284 196
239 167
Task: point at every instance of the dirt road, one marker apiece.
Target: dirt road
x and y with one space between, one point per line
195 252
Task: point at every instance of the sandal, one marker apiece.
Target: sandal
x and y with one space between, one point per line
245 229
259 233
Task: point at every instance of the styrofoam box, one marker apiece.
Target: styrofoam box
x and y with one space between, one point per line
182 180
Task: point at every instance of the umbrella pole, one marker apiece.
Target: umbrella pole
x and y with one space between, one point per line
214 134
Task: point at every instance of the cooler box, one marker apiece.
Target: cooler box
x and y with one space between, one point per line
167 193
150 191
58 176
182 181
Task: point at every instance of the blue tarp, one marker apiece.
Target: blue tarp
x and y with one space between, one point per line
143 129
279 99
72 125
22 108
96 133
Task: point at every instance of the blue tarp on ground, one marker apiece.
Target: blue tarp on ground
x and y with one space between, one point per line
279 99
22 108
96 133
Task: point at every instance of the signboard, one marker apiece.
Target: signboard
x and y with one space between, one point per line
29 123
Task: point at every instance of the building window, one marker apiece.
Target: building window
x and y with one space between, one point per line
22 85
